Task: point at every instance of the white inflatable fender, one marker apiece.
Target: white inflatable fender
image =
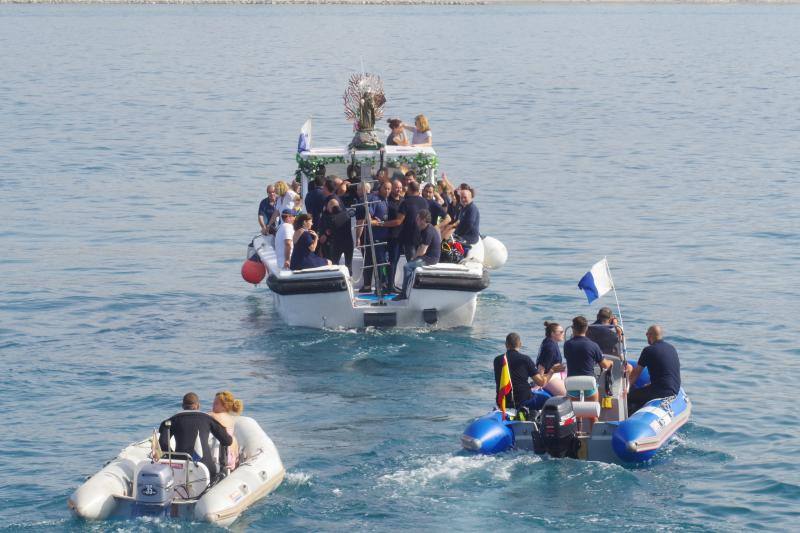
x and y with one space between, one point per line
495 253
475 252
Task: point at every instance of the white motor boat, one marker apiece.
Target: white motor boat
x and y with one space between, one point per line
442 295
134 484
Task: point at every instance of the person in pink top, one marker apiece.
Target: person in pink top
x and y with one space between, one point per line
225 410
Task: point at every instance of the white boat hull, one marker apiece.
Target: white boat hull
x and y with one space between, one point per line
442 295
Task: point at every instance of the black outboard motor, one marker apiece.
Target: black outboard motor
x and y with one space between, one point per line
559 428
155 490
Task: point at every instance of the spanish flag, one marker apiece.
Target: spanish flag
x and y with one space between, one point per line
504 387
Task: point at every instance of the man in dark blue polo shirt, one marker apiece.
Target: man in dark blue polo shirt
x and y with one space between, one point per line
661 359
266 208
469 219
428 250
582 354
604 332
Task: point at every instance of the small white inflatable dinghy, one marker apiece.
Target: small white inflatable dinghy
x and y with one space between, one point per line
133 484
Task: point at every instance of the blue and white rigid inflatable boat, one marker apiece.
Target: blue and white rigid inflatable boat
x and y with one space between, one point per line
560 427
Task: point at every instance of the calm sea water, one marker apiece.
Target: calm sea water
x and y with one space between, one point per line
135 144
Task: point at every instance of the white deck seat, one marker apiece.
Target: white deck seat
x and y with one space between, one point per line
580 383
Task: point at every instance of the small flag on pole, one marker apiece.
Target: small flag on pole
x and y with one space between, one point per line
597 281
504 387
304 141
155 447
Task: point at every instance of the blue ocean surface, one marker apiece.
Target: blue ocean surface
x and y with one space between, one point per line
135 146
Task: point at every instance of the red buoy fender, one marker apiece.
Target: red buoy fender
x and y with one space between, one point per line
253 271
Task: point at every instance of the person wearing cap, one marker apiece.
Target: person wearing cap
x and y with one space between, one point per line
661 360
283 239
190 429
605 332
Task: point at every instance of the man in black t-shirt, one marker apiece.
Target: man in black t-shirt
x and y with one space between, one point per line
520 367
661 360
429 248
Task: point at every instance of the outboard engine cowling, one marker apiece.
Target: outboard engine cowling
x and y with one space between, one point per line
155 490
558 428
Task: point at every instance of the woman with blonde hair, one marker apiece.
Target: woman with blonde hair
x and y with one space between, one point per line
285 200
224 410
422 132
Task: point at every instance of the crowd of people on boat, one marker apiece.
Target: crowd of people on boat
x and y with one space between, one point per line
583 354
406 218
190 428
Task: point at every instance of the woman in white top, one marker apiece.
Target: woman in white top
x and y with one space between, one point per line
422 132
285 200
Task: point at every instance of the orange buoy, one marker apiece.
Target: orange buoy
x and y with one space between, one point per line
253 271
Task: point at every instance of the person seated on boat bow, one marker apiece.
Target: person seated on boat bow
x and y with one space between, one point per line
283 239
305 244
190 429
422 131
265 210
398 135
549 363
661 360
605 331
427 253
582 354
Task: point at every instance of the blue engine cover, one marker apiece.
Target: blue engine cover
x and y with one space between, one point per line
488 435
641 425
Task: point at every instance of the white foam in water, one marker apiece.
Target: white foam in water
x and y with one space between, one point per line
297 479
454 467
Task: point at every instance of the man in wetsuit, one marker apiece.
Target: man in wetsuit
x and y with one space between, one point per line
661 360
190 429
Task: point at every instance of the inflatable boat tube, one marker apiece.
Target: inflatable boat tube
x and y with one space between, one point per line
260 471
488 435
639 437
110 492
443 282
299 283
